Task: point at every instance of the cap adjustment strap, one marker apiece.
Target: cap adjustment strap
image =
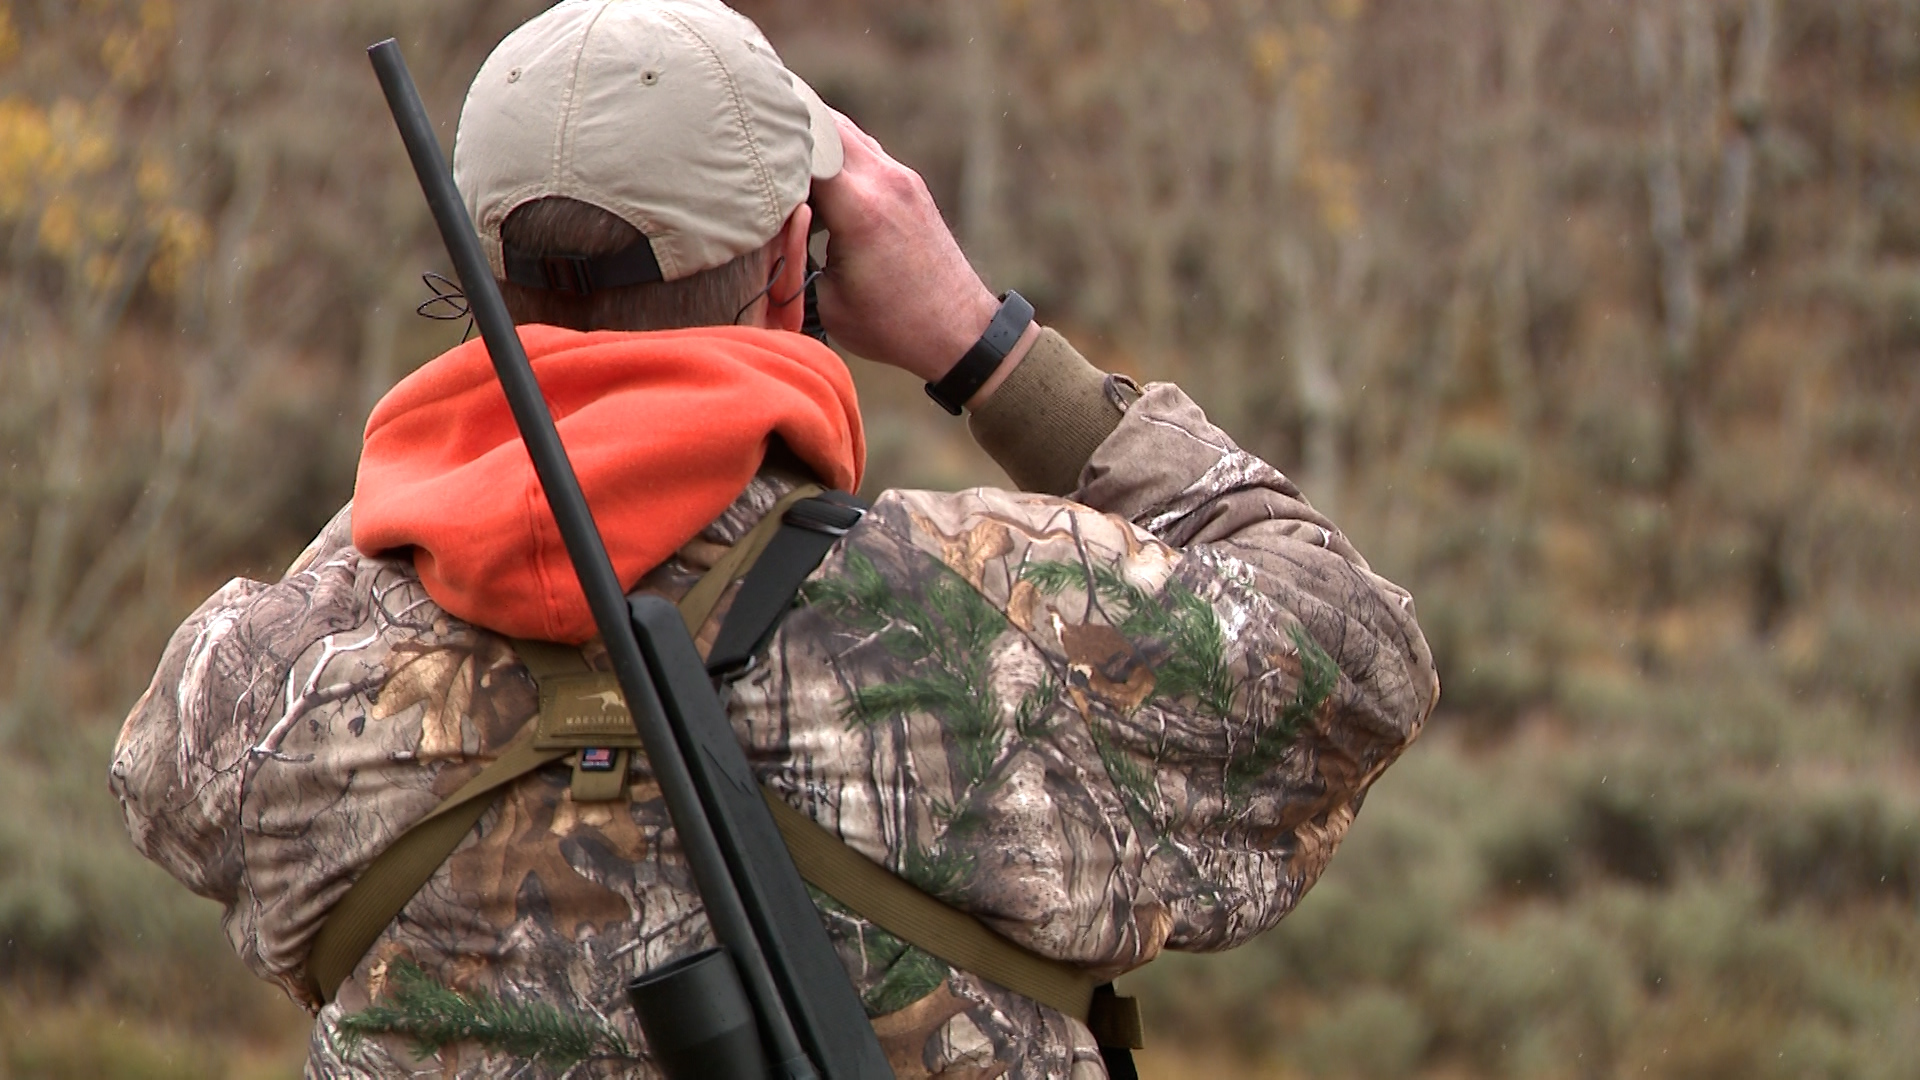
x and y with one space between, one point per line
632 265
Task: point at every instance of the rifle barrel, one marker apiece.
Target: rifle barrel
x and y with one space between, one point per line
725 909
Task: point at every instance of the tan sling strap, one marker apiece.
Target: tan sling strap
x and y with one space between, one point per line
829 864
397 873
824 860
697 606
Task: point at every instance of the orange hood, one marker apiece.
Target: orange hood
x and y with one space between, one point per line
664 429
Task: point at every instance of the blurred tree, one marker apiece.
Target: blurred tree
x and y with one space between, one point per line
97 211
1595 321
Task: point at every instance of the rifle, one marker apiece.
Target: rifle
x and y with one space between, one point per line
774 989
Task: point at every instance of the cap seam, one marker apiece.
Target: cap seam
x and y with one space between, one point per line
563 139
769 197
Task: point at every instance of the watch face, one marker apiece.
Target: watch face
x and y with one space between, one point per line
1008 323
958 386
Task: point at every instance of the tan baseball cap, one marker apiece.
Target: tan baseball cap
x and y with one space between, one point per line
675 115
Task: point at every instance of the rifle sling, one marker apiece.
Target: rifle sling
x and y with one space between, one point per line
396 874
776 556
355 921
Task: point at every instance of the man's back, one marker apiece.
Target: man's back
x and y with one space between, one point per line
1137 713
1165 759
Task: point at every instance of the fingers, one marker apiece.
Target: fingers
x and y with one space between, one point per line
852 132
840 198
897 288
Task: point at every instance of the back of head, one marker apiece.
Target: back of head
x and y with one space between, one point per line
626 162
556 226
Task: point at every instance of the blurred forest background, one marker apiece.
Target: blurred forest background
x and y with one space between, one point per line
1595 322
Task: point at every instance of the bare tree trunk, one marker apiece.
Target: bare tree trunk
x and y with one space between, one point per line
1752 63
1677 273
28 389
64 470
1515 214
1155 225
1677 267
1322 406
379 338
93 314
82 611
977 25
1302 300
1774 527
1690 107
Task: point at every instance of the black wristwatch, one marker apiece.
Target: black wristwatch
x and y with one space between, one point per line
974 369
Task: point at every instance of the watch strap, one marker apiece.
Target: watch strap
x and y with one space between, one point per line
958 385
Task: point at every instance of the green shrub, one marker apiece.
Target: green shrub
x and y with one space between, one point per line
1481 460
90 1043
80 908
1533 853
1405 877
1547 995
1373 1034
1225 1001
1731 990
1842 847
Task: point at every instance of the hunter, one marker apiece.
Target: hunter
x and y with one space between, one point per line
1131 703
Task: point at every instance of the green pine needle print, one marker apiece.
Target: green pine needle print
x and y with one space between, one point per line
860 596
939 693
939 871
432 1016
1196 664
1195 667
909 973
1318 677
1033 718
1135 784
913 976
946 643
960 820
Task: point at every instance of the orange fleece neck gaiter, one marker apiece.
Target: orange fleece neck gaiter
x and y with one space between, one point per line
665 429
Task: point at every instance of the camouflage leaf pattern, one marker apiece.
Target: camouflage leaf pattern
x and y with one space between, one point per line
1107 727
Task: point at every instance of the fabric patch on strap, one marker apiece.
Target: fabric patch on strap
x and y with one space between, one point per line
583 710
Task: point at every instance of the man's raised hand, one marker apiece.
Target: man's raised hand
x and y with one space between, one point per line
897 288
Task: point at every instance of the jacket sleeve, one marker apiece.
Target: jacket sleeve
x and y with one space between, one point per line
1242 673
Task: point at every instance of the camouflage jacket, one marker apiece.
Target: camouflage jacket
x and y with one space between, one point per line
1135 719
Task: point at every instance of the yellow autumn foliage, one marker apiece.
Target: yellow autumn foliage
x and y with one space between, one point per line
101 272
83 141
153 180
74 169
183 243
60 230
1269 52
26 141
156 17
1667 823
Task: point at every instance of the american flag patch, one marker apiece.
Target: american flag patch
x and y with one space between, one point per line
596 759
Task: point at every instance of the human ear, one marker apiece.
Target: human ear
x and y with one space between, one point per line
786 305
